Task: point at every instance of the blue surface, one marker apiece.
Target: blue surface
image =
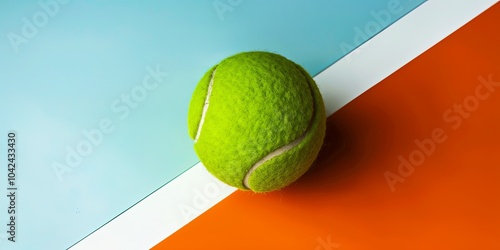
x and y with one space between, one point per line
69 67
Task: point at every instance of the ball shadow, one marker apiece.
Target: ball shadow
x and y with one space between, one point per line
353 138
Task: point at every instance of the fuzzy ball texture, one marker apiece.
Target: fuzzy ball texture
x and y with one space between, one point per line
258 121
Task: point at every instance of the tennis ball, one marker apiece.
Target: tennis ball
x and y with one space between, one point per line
257 120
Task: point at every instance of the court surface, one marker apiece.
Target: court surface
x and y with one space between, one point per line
410 159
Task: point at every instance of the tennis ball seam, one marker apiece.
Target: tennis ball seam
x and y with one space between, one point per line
205 106
286 147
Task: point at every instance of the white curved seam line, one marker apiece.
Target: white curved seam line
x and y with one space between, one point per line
273 154
205 107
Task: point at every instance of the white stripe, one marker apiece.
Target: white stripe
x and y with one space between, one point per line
158 215
205 107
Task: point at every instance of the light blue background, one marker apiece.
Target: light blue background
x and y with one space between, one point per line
89 53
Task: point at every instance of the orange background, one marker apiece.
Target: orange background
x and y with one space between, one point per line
450 201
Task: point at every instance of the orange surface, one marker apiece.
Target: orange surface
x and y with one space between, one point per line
449 198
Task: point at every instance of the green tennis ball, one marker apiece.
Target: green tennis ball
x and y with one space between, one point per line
257 120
